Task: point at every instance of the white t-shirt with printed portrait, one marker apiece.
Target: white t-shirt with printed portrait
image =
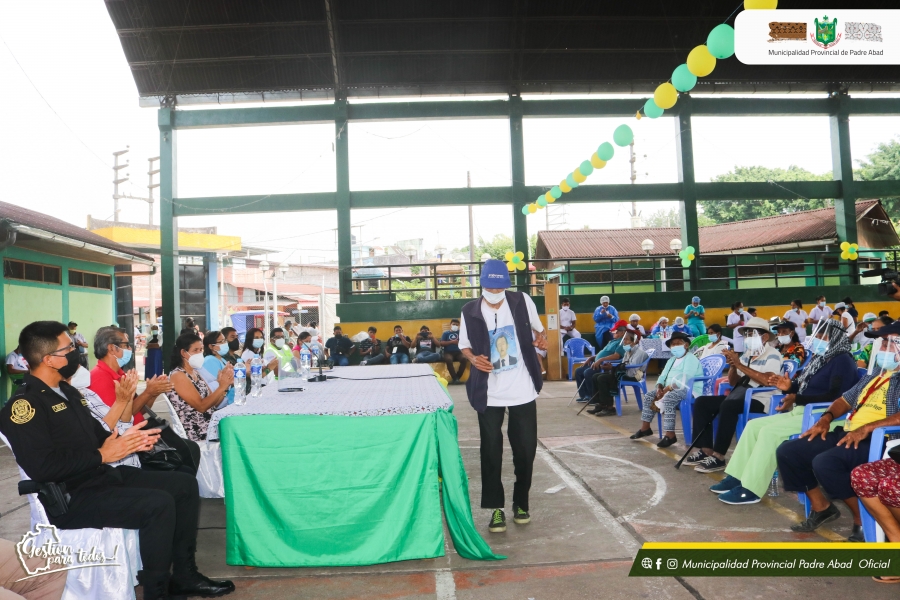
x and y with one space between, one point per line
509 384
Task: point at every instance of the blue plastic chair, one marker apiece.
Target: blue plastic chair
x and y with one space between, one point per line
712 366
788 367
639 387
811 414
876 451
574 350
862 372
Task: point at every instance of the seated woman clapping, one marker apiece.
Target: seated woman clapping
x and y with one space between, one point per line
192 398
830 372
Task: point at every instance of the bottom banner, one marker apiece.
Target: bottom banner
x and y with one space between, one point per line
766 560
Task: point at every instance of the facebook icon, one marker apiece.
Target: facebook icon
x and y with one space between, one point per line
658 563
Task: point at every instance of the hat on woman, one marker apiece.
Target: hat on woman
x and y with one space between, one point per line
678 335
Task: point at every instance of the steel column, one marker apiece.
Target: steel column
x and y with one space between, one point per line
690 230
168 230
519 199
842 167
342 199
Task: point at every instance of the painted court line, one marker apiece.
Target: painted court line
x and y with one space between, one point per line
444 585
602 515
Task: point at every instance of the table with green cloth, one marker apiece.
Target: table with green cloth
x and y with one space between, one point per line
348 472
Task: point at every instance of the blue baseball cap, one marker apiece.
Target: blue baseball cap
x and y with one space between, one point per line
495 275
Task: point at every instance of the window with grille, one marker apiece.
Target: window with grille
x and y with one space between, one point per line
91 280
27 271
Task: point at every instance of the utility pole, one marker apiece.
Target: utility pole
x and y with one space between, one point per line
119 180
635 215
471 235
151 185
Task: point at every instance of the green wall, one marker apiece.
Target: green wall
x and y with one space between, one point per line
23 302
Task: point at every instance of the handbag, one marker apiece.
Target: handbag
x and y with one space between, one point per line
162 456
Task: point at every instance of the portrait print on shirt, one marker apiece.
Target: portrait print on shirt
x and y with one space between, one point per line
504 350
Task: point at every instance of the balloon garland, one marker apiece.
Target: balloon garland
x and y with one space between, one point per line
849 251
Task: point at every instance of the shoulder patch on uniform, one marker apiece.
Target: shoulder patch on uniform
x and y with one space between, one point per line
21 411
84 402
59 407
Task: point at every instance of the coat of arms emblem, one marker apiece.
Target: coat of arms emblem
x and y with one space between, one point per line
826 34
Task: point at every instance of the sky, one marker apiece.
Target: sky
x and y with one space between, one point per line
70 101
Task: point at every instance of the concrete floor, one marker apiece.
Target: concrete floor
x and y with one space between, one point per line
596 497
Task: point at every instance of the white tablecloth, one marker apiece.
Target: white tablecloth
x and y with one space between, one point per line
657 344
353 392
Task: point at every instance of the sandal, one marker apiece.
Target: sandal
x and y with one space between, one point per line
886 579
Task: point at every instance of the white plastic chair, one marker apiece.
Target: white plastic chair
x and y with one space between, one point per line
101 583
209 476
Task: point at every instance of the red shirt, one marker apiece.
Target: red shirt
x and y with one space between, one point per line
103 384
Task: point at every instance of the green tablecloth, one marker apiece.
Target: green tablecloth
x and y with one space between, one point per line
307 490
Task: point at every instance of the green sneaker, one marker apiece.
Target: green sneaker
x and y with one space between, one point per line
498 522
520 516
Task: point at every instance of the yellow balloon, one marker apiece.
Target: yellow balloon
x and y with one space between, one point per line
700 62
845 255
845 245
549 198
665 96
637 115
690 257
564 187
760 4
577 176
508 256
598 162
532 208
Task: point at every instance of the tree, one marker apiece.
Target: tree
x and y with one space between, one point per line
672 218
882 164
498 246
726 211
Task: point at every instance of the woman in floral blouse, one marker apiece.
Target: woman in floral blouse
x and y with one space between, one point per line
789 344
192 398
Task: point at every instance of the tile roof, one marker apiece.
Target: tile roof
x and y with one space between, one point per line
30 218
798 227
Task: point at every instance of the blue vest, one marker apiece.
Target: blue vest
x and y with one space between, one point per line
477 330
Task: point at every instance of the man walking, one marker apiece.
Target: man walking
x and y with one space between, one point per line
496 328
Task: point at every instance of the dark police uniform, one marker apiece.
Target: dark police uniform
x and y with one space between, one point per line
56 439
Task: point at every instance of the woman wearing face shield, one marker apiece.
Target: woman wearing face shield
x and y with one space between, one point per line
821 457
830 372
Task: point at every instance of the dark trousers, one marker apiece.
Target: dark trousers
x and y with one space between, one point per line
165 507
582 373
606 385
707 407
450 358
804 464
378 359
522 433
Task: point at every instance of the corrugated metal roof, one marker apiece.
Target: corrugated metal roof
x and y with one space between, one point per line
30 218
798 227
390 47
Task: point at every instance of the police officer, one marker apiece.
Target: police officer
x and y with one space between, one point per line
55 439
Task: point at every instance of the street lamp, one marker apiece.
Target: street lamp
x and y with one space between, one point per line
675 246
281 269
647 246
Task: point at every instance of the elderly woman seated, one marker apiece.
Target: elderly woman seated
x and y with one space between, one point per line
716 344
830 372
822 459
192 398
671 389
788 343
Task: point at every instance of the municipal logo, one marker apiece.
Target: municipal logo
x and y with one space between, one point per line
43 543
825 35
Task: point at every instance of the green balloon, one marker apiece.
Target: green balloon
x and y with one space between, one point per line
652 110
623 135
605 152
689 250
721 41
556 192
586 168
516 259
542 201
685 263
525 210
570 179
683 79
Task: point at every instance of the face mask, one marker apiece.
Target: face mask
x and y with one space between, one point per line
195 361
72 365
819 346
72 332
81 379
337 335
887 360
713 337
258 343
753 344
678 351
797 310
492 297
223 349
454 328
565 307
821 305
372 335
125 358
784 339
626 347
234 345
279 343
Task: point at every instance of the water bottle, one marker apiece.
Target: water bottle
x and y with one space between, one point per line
240 383
773 487
256 376
305 364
